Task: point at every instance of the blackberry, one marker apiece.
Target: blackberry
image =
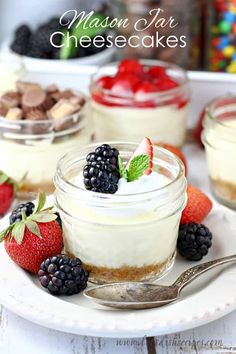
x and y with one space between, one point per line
194 241
22 31
20 45
62 275
101 173
58 220
16 215
41 41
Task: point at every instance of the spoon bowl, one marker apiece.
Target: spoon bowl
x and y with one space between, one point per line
132 295
137 295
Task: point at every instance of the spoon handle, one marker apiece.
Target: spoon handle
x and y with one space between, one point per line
192 273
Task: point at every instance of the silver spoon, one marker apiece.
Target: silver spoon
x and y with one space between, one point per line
138 295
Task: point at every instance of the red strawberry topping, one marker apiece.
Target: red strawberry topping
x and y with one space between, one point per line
144 148
133 83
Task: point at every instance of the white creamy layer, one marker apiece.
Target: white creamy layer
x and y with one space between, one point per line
132 234
162 124
39 160
221 153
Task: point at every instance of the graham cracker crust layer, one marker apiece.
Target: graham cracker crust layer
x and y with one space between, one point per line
225 189
126 273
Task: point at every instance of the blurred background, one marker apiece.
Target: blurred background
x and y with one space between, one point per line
209 25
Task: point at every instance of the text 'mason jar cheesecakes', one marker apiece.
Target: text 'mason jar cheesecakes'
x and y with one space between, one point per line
37 127
219 138
121 206
132 99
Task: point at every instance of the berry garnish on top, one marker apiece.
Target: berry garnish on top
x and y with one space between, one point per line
62 275
101 173
194 241
30 239
136 85
105 167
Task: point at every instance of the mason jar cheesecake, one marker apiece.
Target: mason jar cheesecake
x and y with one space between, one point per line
37 127
133 98
219 138
121 218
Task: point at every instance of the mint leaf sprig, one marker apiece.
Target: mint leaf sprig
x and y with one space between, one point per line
137 166
40 215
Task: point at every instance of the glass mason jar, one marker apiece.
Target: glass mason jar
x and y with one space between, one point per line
121 237
219 138
33 148
220 43
162 115
187 13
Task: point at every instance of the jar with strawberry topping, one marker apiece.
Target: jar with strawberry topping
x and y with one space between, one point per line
132 99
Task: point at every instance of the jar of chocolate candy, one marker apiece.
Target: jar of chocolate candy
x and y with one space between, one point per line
168 30
221 36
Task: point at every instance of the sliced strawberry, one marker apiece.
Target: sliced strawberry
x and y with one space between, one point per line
157 72
105 82
144 148
145 87
130 66
123 84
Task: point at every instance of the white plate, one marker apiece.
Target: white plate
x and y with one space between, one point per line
209 298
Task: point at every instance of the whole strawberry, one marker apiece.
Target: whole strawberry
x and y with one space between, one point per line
7 192
197 208
36 237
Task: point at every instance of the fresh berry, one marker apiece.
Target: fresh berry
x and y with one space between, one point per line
101 173
130 66
62 275
144 148
199 127
36 237
157 72
175 151
144 87
194 241
197 208
20 44
124 84
7 192
166 84
16 215
105 82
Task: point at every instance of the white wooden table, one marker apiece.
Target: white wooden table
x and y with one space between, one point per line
20 336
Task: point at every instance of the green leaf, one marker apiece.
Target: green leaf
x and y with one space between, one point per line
43 217
33 227
41 202
137 167
4 233
68 48
18 232
3 178
122 169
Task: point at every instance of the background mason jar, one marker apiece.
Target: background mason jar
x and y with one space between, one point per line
220 36
186 12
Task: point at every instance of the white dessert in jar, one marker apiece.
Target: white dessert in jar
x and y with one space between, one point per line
128 105
129 235
37 127
219 138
